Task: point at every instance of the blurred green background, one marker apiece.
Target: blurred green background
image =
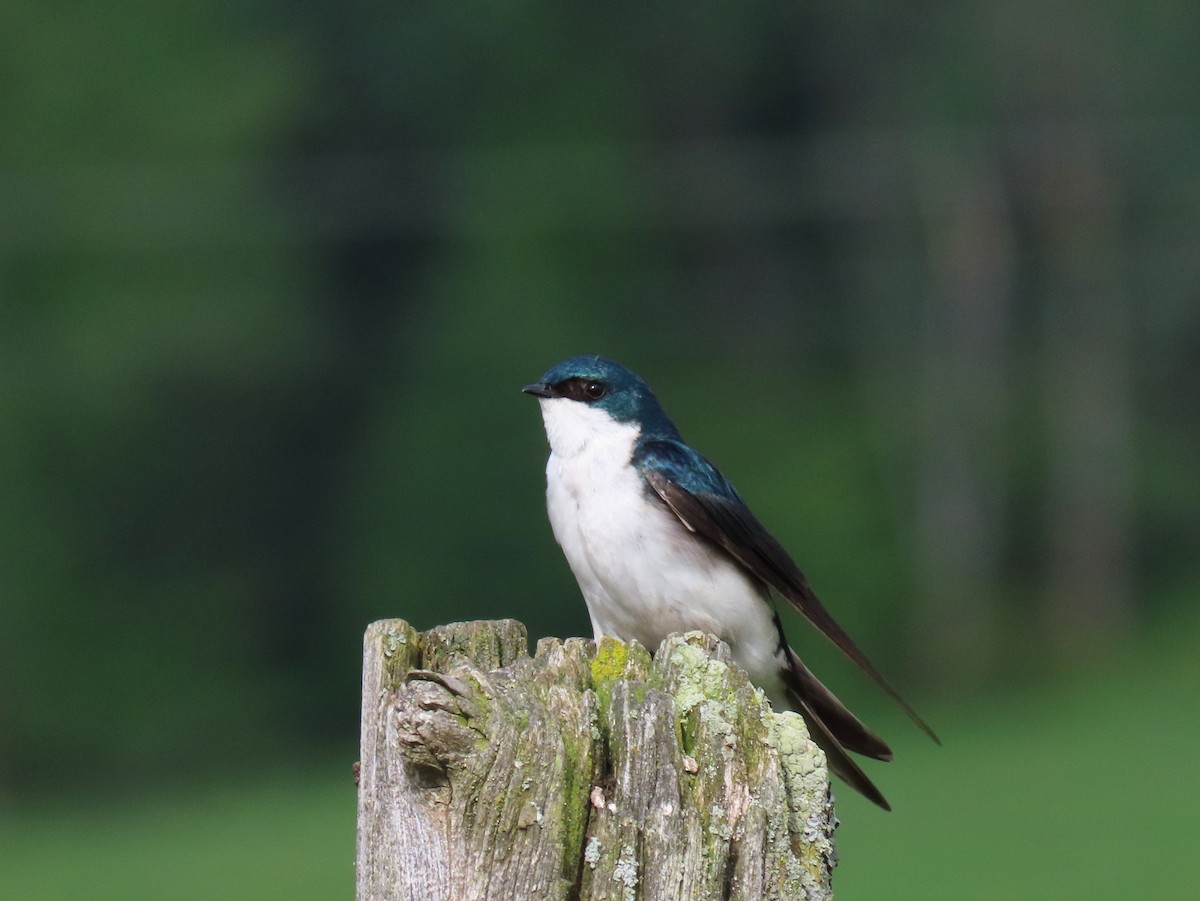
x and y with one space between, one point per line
923 281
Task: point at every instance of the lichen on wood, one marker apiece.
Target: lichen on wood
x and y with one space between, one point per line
580 773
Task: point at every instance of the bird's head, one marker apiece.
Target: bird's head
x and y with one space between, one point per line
589 393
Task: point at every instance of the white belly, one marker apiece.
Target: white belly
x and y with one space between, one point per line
642 574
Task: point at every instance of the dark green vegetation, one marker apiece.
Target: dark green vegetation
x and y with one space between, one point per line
922 284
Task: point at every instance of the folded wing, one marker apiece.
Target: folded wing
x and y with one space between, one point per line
707 504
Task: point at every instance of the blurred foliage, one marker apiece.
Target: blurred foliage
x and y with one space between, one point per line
922 282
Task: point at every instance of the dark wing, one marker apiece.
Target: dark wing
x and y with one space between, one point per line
707 504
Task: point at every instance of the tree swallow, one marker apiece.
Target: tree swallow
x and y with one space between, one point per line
661 542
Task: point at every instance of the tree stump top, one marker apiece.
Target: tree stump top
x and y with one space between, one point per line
582 772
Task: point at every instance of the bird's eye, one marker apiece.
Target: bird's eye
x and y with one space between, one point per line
594 390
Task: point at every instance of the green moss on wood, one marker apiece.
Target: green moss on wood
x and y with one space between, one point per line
617 661
400 650
539 748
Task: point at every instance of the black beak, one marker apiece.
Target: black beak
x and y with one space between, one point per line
539 389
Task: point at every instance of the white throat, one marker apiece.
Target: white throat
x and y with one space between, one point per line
573 428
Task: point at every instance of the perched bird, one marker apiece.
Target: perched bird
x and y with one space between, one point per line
661 542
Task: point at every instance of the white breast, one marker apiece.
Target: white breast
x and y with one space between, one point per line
642 574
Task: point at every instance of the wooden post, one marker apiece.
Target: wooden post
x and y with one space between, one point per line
580 773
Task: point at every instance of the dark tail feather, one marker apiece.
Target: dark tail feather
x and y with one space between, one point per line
848 729
832 726
839 761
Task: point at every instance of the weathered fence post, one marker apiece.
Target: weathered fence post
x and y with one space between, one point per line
580 773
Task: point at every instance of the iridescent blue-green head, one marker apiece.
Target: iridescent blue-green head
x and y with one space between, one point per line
600 384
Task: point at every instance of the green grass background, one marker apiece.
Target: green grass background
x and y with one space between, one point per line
1083 789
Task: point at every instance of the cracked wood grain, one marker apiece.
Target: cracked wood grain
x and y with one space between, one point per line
580 773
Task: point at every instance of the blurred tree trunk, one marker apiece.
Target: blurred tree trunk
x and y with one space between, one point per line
580 773
1086 372
963 346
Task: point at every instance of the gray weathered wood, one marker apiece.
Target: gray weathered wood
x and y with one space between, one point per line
580 773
